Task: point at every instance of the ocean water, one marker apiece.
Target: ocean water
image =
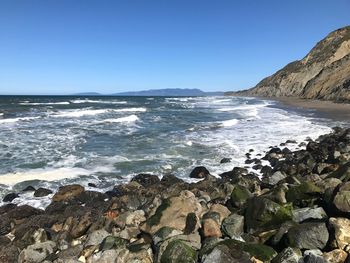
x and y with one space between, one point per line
51 141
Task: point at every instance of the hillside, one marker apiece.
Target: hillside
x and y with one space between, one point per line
324 73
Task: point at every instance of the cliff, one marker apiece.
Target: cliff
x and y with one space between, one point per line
324 73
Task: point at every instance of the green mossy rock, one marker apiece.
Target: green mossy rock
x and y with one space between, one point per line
111 242
262 213
239 195
259 251
303 192
178 252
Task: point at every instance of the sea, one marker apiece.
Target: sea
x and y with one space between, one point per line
50 141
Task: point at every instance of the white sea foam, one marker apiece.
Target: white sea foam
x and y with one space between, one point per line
44 103
141 109
98 101
130 118
79 113
13 120
90 112
229 123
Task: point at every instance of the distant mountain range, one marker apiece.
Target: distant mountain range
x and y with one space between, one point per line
157 92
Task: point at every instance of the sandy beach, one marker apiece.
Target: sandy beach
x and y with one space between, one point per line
326 109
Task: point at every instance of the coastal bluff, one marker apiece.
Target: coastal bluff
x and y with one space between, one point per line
295 210
324 73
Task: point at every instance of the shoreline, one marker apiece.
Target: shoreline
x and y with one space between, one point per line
299 208
324 109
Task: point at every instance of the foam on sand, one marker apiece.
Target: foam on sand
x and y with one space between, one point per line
42 174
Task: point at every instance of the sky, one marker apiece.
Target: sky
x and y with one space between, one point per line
64 46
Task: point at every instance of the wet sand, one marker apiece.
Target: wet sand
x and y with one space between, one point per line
325 109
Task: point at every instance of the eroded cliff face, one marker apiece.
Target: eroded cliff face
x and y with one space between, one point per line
324 73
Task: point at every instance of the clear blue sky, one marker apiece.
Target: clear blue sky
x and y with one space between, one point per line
65 46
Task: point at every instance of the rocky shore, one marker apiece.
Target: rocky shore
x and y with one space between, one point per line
297 211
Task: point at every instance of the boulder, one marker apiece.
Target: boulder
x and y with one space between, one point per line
9 197
178 252
335 256
96 237
258 251
29 188
307 213
314 256
341 201
146 180
274 178
224 254
288 255
199 172
239 195
225 160
173 212
233 226
40 192
37 252
112 242
264 213
308 236
211 228
302 193
341 228
68 192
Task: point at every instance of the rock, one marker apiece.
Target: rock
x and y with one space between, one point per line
173 212
92 185
37 252
275 178
29 189
178 252
288 255
262 212
224 254
225 160
112 242
170 180
314 256
239 195
299 194
341 228
96 237
9 254
9 197
211 228
68 192
233 226
341 201
302 214
80 227
40 192
165 233
223 211
146 180
199 172
335 256
308 236
191 223
258 251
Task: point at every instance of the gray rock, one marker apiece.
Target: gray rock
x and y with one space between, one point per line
314 256
224 254
288 255
233 226
40 192
308 236
302 214
37 252
96 237
275 177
